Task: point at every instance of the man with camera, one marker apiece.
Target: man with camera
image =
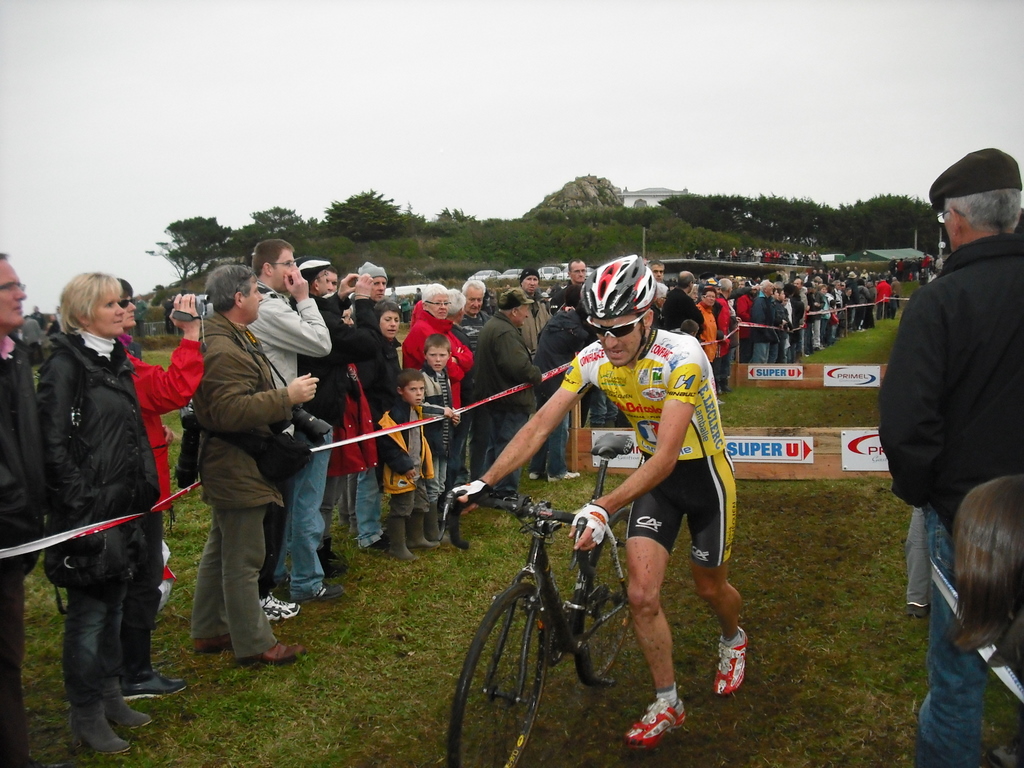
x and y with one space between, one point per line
340 402
237 396
286 332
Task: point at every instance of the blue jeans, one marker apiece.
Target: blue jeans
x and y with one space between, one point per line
550 459
761 351
367 507
303 493
949 723
92 640
435 485
504 426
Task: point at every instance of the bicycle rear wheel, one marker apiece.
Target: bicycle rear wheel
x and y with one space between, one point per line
603 620
502 678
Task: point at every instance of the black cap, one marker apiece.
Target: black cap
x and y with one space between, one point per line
981 171
528 272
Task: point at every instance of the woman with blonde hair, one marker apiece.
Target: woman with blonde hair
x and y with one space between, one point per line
99 466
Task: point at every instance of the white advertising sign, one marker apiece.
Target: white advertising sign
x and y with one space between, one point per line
864 376
775 372
771 450
862 451
630 461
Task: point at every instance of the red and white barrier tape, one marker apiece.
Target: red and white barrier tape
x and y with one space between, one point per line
49 541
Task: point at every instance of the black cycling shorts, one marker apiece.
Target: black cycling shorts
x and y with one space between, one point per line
702 490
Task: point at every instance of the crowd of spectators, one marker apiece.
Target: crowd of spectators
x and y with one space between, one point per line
295 346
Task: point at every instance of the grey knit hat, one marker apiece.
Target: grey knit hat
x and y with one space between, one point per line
372 270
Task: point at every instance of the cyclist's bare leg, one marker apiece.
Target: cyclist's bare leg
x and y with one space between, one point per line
712 584
646 560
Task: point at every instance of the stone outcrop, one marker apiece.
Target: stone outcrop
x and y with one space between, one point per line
583 192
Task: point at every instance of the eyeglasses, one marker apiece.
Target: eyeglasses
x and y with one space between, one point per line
13 287
945 215
618 331
286 264
123 303
438 303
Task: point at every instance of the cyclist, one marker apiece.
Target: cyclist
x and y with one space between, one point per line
665 386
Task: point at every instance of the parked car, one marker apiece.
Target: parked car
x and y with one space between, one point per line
485 274
550 273
511 274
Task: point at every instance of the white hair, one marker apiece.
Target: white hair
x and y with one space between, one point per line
432 290
457 301
994 211
478 284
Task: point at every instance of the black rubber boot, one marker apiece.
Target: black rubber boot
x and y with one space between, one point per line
140 680
396 536
454 531
415 538
331 564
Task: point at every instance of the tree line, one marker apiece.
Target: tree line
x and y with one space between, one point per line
413 249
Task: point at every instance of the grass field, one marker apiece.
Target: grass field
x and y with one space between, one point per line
835 670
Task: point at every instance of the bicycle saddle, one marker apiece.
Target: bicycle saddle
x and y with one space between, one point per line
609 446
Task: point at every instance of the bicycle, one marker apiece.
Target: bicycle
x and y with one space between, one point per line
529 628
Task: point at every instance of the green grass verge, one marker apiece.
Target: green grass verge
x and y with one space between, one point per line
835 672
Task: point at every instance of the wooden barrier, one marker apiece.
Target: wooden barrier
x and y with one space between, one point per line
813 378
827 455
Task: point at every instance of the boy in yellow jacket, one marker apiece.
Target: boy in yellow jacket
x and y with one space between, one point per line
407 467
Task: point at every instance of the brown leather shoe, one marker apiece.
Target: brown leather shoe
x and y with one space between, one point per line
212 644
278 655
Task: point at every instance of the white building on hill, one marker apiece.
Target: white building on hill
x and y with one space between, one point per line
642 198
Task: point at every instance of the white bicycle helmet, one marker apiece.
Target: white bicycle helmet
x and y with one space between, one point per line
618 288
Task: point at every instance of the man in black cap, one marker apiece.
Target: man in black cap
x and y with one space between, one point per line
502 362
951 416
539 313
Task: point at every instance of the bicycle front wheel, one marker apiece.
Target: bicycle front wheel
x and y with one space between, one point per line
499 689
603 618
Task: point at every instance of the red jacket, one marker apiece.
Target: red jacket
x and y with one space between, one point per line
161 392
723 319
883 292
744 304
459 363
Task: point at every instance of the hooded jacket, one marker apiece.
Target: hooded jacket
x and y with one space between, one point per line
394 451
99 470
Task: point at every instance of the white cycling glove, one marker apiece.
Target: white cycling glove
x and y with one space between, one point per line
596 518
471 489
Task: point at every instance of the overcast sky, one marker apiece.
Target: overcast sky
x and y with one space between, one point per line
118 117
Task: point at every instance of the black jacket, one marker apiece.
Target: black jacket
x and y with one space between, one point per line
22 482
100 470
679 306
950 401
560 340
379 374
348 345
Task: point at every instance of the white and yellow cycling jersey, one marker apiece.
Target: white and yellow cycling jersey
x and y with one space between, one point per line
672 367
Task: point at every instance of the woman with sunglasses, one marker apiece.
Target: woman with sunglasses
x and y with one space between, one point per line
99 466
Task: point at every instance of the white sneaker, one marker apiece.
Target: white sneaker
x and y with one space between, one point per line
278 610
566 476
535 475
